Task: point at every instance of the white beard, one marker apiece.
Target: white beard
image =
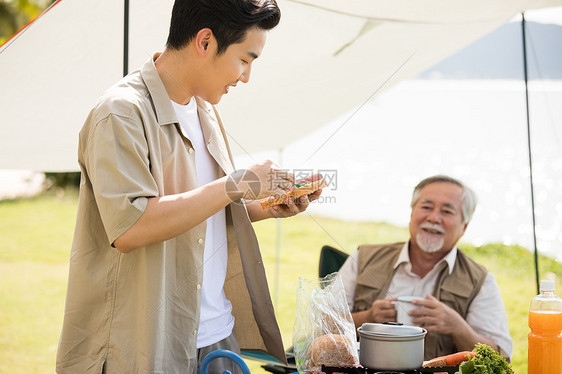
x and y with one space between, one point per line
429 243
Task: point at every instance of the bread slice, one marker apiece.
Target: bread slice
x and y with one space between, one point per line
307 189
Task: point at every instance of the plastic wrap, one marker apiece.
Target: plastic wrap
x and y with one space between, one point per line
324 332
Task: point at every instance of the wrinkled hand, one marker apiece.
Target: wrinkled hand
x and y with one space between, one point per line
382 310
296 206
435 316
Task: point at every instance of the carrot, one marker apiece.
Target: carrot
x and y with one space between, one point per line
449 360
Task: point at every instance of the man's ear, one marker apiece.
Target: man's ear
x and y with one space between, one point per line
203 40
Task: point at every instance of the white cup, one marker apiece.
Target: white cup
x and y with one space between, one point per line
403 305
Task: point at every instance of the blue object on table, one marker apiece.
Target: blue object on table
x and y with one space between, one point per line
225 354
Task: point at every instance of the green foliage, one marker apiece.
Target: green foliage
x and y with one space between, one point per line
512 258
8 23
63 180
15 14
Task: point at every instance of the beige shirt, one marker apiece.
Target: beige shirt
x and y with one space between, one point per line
139 312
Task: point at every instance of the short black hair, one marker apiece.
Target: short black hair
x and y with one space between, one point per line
228 19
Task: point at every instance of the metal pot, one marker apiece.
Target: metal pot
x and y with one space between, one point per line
391 346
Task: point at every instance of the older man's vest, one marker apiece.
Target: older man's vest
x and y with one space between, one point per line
457 290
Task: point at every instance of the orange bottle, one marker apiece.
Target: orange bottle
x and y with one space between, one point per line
545 338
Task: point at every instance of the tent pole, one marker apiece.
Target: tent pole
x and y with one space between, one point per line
525 75
126 38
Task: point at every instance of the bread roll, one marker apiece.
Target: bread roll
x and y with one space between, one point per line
332 350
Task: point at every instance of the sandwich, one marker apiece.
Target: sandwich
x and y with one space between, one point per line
304 189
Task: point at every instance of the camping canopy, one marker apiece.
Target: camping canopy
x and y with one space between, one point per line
325 58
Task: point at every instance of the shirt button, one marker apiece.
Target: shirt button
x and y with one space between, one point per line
190 150
194 332
198 286
200 241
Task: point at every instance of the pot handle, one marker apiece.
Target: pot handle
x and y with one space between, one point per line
392 323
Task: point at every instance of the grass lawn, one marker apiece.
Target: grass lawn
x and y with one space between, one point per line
35 240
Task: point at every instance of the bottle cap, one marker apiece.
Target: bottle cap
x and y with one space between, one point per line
547 285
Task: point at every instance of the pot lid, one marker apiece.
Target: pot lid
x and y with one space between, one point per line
391 329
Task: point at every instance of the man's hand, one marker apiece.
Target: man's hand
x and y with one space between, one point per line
436 316
381 310
291 208
298 205
259 181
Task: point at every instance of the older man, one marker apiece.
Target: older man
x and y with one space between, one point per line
461 304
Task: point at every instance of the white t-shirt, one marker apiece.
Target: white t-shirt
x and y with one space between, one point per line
486 314
216 320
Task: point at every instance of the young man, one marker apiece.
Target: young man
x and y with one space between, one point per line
165 266
462 303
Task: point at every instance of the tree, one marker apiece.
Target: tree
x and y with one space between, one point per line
15 14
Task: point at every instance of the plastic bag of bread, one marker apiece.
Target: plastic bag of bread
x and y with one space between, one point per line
324 332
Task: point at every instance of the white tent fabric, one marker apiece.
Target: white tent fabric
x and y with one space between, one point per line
472 129
325 58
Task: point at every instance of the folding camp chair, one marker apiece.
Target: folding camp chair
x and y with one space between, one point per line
331 260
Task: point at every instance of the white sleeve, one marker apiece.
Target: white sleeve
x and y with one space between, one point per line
486 315
348 273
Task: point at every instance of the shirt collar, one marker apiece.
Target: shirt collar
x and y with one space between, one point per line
404 257
165 113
